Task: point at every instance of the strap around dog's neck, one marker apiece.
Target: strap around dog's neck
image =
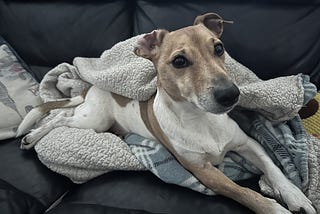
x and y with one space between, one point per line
153 126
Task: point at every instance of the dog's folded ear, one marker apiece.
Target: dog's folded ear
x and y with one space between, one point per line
148 44
213 22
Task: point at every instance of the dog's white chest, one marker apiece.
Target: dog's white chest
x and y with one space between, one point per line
206 139
198 136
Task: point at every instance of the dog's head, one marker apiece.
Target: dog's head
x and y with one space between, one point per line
190 64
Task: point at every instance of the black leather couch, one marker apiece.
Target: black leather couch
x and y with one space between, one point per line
272 37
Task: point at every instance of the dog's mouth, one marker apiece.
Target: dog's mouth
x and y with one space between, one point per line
217 108
225 109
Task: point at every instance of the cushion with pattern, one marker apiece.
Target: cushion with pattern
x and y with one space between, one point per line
18 91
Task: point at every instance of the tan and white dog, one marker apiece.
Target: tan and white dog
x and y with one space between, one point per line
188 114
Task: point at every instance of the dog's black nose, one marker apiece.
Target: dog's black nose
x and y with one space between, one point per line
227 95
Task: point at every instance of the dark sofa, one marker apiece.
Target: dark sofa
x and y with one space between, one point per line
272 37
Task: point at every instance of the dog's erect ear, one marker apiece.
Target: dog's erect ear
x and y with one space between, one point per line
147 45
213 22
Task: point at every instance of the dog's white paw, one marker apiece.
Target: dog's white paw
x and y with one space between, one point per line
276 208
295 199
30 140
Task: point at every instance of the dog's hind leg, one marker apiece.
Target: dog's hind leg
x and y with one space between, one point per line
78 120
94 113
287 191
35 135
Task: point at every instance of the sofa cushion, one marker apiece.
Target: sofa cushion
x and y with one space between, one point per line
273 40
18 91
22 170
143 191
81 208
13 201
39 71
52 32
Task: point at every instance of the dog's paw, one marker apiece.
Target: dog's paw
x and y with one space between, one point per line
295 199
275 208
29 141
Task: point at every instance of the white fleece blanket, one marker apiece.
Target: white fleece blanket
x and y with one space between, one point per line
83 154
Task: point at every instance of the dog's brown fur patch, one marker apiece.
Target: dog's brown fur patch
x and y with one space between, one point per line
196 44
121 100
46 107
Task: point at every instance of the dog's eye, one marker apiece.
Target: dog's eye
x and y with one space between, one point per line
218 49
180 62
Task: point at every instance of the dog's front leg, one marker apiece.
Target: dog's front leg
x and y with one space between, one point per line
221 184
288 192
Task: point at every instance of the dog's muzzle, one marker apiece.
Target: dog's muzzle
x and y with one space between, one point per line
220 99
227 95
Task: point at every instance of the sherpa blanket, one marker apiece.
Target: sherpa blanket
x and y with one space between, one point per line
84 154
